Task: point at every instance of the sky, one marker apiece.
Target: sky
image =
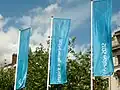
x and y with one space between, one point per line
17 14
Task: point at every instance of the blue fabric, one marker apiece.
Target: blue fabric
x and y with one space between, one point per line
102 41
22 58
59 50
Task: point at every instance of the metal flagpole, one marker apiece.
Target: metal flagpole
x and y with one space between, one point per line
17 60
91 46
48 78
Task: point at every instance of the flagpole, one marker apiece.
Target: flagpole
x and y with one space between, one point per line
17 59
91 46
48 78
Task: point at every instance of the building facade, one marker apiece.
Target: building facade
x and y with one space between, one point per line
114 80
13 64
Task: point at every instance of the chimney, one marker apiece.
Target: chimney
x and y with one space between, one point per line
14 59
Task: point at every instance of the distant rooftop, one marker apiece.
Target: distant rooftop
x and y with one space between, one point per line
14 59
116 32
116 42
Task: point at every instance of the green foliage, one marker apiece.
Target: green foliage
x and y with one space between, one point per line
101 83
78 71
7 78
37 71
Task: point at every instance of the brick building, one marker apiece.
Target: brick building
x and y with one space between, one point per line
14 59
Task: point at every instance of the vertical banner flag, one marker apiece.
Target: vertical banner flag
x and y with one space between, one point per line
22 59
59 50
102 41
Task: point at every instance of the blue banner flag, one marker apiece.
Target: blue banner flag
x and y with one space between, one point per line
102 39
22 59
59 50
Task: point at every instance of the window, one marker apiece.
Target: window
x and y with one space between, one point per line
118 59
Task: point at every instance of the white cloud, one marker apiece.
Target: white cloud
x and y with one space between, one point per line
83 48
78 14
3 22
8 44
39 20
116 19
79 48
52 9
40 23
25 21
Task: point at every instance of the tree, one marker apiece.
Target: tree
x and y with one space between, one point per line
37 71
101 83
78 70
7 78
